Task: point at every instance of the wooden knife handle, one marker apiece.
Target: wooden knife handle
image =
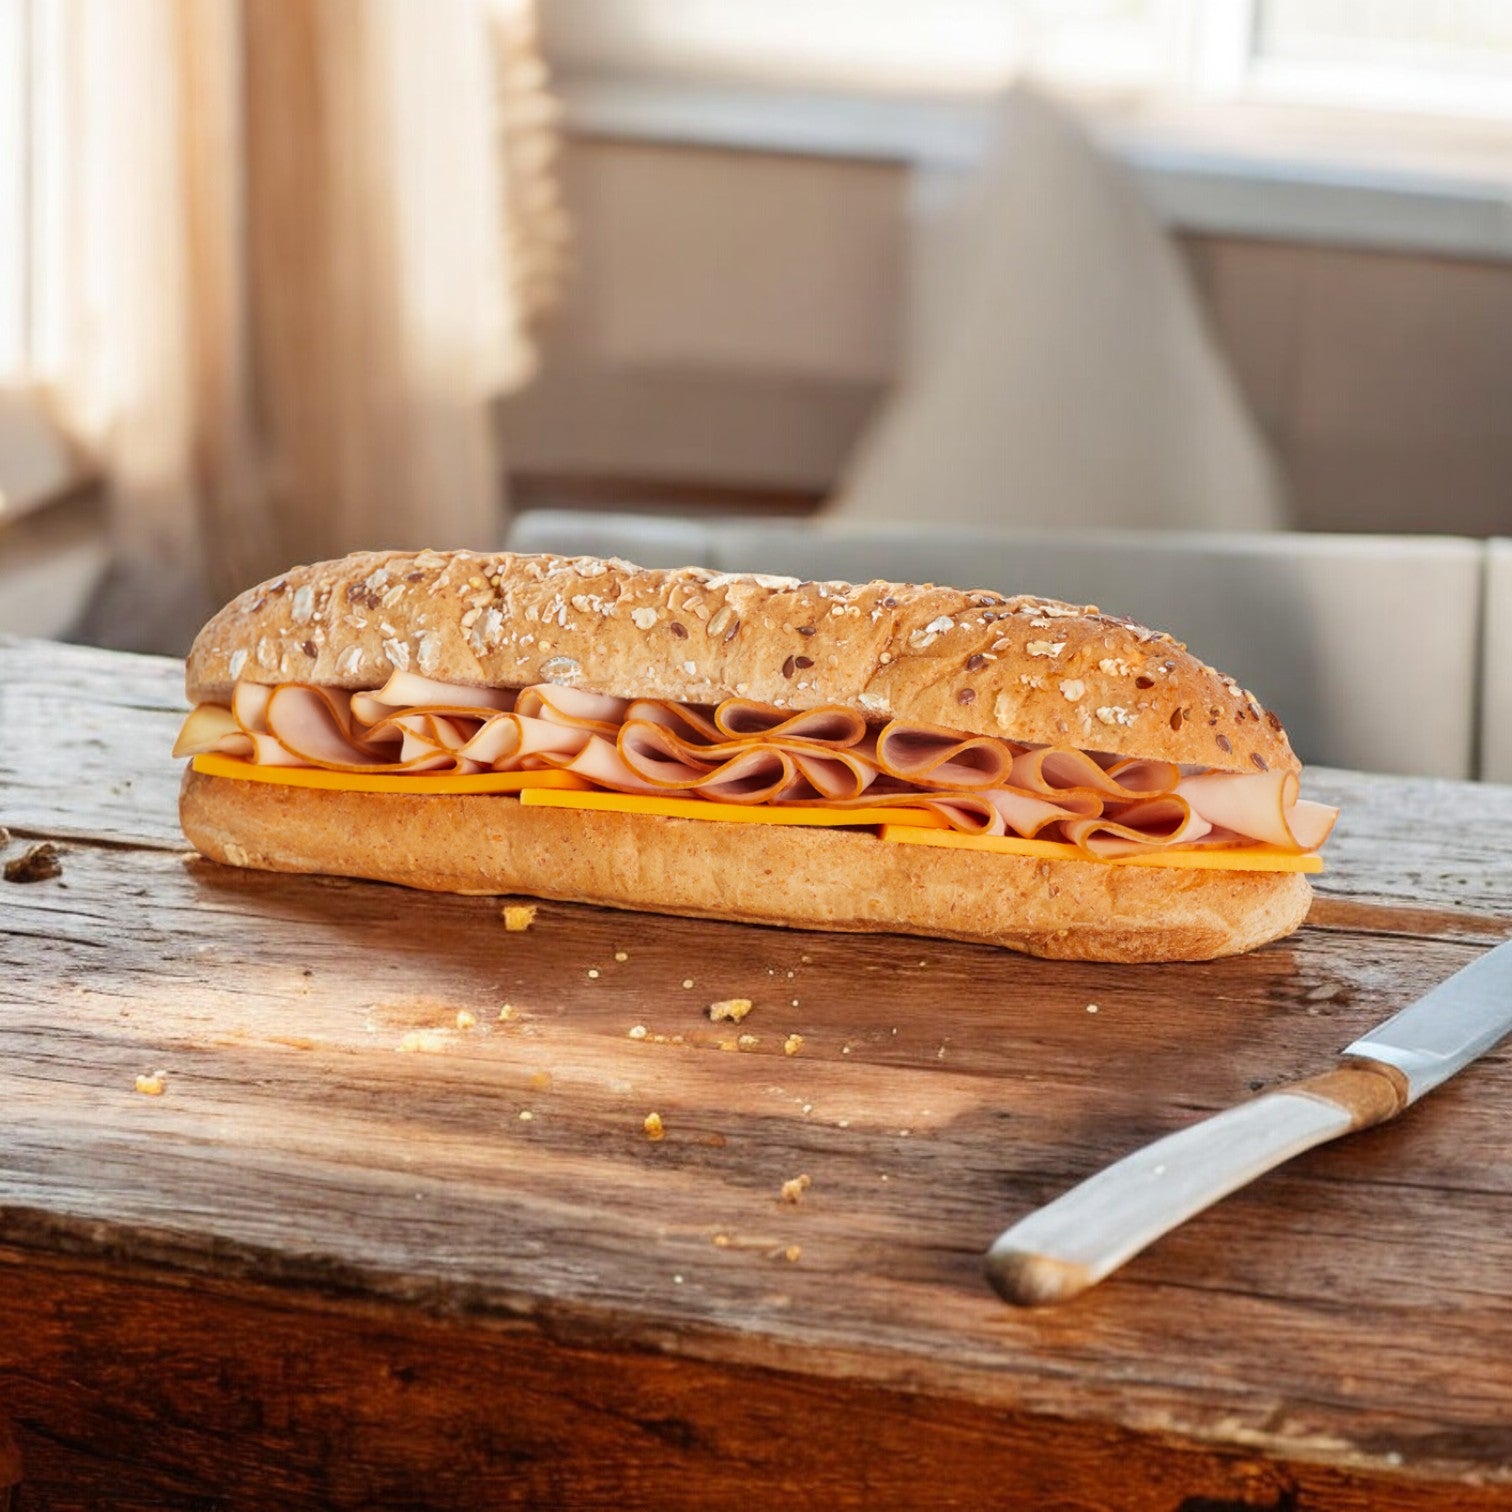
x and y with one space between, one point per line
1063 1248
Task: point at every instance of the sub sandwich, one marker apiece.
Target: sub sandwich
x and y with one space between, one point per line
879 756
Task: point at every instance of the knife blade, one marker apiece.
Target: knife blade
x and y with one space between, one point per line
1072 1243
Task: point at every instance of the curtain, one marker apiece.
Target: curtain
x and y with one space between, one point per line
290 254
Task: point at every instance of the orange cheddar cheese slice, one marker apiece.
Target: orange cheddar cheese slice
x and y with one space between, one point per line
1234 858
416 783
735 813
911 826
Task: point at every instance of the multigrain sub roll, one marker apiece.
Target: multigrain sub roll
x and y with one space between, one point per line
879 756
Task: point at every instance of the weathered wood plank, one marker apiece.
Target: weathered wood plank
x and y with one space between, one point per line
298 1142
1420 844
161 1396
87 737
329 1131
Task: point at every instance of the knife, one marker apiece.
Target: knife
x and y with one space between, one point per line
1069 1245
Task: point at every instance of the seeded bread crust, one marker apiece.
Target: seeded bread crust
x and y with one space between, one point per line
1029 668
801 878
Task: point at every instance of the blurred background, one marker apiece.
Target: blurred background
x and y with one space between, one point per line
1198 308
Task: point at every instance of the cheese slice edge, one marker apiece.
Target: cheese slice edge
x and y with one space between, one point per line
552 789
415 784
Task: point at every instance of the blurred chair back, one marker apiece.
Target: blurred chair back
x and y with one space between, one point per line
1496 679
1367 646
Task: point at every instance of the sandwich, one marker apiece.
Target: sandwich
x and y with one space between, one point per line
1012 771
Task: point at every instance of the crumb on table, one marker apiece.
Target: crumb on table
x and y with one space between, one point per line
38 863
729 1010
153 1084
519 916
655 1129
466 1019
793 1190
422 1042
792 1044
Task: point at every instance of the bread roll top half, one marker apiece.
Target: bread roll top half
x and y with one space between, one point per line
1021 668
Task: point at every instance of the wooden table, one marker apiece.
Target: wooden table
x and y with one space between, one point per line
362 1252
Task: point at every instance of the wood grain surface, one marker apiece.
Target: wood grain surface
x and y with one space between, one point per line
361 1252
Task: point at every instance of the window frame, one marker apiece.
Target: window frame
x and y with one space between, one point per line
1209 50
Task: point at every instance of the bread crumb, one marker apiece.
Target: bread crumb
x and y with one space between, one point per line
39 863
465 1020
526 1115
506 1013
593 974
687 982
638 1032
655 1129
1091 1007
720 1241
793 1253
793 1190
730 1010
519 916
747 1042
421 1041
792 1044
152 1085
621 955
540 1081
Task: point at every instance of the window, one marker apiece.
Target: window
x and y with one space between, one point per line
32 122
36 463
14 190
1449 56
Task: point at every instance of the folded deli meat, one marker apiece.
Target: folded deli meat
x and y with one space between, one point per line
906 757
743 752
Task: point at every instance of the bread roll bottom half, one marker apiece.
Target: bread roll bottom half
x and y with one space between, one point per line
796 877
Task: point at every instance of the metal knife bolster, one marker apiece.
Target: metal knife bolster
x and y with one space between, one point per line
1369 1090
